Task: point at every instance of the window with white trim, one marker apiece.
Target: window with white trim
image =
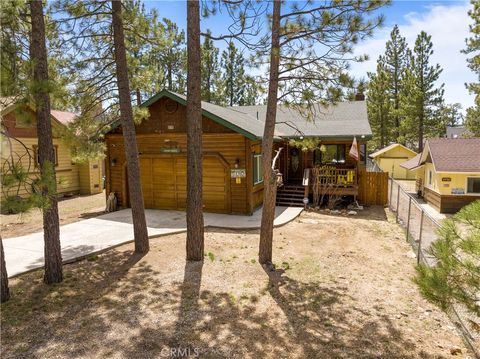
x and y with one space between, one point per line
473 184
257 169
430 175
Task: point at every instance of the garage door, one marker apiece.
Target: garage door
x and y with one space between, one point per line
164 183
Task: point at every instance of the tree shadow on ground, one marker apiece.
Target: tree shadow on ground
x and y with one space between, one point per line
119 305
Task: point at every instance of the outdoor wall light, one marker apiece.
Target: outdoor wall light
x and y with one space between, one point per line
113 162
237 163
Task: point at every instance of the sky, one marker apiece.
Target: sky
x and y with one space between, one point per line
445 20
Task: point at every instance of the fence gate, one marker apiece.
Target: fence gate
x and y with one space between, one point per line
373 188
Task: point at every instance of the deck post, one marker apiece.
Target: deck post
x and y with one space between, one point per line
398 202
408 219
419 252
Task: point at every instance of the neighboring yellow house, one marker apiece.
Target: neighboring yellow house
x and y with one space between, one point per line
448 172
389 159
19 146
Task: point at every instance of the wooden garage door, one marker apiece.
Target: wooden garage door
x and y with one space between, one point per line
164 183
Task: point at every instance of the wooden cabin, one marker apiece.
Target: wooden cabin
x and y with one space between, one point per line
447 172
232 165
19 142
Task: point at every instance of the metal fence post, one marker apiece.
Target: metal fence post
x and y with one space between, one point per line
420 239
398 202
408 218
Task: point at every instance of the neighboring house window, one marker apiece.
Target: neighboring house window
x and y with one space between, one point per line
35 154
473 184
330 154
430 175
257 169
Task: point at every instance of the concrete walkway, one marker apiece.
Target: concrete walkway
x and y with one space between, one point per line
81 239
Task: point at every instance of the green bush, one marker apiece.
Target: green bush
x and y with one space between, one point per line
455 278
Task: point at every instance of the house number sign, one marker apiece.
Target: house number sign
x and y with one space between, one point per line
238 173
446 179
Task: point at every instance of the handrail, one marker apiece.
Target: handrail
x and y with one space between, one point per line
327 176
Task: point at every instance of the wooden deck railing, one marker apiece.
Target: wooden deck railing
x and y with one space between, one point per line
332 176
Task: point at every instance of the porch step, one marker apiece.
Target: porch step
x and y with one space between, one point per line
290 195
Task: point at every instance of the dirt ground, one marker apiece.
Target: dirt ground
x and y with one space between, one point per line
71 209
342 289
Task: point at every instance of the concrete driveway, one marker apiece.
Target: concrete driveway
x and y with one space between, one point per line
81 239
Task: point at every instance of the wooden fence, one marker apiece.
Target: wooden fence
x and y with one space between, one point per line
373 188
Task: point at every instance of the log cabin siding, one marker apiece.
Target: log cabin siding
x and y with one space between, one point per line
66 172
228 146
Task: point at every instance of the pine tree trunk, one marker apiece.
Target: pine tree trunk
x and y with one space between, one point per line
46 155
128 127
195 230
139 97
5 291
269 178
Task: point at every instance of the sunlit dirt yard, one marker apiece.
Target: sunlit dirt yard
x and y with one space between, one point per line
342 289
70 210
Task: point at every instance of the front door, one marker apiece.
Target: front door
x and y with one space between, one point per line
295 165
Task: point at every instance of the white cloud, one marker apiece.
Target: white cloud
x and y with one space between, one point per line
448 26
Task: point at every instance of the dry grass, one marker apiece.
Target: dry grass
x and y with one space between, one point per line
70 210
343 290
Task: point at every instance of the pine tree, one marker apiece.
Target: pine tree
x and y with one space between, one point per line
421 98
395 61
233 65
128 128
46 157
195 226
172 57
455 278
472 121
302 74
211 74
380 106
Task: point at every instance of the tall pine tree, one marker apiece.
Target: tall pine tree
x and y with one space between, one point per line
421 97
211 74
472 121
380 106
395 60
46 156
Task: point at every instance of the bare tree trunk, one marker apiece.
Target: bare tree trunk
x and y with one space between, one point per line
195 235
128 127
46 155
5 291
269 178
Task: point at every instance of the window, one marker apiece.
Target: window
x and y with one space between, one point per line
257 169
330 154
430 178
473 184
35 154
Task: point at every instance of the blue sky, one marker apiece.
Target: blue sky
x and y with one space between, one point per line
446 21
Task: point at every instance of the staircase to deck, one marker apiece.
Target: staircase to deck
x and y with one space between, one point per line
290 195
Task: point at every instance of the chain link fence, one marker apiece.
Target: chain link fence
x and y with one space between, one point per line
421 231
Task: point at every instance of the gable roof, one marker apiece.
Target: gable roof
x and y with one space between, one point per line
63 117
453 154
391 147
412 163
8 104
343 120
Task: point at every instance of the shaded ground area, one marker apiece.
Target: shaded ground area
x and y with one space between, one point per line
70 210
343 290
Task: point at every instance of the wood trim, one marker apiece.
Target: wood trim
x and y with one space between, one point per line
35 157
